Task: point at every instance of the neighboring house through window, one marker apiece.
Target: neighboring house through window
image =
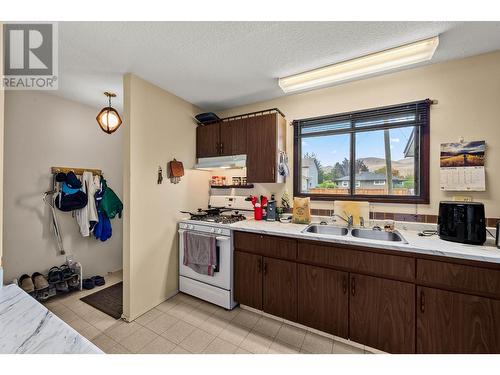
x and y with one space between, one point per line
379 154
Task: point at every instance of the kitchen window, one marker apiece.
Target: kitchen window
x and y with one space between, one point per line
379 155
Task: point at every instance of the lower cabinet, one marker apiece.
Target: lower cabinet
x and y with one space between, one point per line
280 288
382 313
248 279
266 284
323 299
450 322
329 288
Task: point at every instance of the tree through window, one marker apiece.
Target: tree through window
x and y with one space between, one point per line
378 154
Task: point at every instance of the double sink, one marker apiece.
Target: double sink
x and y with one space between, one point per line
368 234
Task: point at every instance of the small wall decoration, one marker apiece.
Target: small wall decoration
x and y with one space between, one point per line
175 170
462 166
160 175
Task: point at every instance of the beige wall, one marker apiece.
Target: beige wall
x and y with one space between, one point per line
2 99
43 130
159 127
468 92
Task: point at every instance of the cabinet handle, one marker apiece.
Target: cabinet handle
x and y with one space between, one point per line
344 284
259 265
265 268
221 148
353 286
422 301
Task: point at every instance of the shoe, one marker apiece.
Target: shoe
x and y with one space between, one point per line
26 283
98 280
40 281
55 275
43 295
88 284
62 287
74 282
67 272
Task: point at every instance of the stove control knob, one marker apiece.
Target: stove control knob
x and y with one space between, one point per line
219 231
212 230
190 226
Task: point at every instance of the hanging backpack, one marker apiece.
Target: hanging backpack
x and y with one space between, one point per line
70 202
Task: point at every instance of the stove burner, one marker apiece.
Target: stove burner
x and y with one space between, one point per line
220 219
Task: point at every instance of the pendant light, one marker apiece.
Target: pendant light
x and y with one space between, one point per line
108 119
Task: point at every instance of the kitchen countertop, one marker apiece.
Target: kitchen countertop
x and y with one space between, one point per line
416 244
27 327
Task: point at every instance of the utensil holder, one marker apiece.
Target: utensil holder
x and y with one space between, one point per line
257 213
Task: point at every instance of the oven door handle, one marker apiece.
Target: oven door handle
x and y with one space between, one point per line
218 238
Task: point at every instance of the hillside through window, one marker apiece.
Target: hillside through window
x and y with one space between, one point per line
378 154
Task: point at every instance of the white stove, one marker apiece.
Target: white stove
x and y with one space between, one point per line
217 289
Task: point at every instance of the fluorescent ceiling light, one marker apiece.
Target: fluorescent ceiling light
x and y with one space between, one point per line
362 66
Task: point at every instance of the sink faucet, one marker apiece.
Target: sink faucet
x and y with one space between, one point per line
349 220
362 221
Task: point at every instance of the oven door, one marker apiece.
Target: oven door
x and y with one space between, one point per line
222 275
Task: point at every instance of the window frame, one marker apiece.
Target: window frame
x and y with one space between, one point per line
422 125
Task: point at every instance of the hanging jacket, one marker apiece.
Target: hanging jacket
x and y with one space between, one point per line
87 216
110 204
102 230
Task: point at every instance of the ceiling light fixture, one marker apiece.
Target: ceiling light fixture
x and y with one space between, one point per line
108 119
362 66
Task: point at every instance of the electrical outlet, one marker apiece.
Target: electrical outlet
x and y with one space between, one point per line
462 198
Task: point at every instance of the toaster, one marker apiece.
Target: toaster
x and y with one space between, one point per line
462 222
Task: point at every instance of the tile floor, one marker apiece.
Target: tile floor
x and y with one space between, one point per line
185 324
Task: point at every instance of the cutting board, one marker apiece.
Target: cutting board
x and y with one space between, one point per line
354 208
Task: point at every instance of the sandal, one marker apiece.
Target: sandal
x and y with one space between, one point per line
26 283
40 281
55 275
67 272
98 280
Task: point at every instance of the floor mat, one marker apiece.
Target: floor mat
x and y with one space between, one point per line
109 300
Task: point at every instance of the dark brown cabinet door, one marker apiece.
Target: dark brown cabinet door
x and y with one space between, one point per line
207 141
262 148
449 322
233 137
323 299
382 313
280 288
248 279
270 246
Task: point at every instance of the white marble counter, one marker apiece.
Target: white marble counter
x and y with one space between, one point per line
27 327
416 244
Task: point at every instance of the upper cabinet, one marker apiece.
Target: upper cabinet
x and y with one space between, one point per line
265 139
207 140
233 137
259 136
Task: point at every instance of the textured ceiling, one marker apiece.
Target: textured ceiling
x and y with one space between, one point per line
219 65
